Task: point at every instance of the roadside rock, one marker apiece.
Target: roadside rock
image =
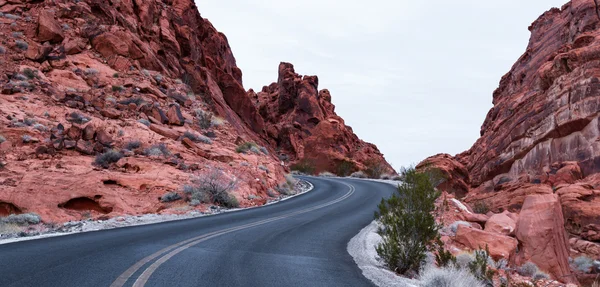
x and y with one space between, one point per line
500 246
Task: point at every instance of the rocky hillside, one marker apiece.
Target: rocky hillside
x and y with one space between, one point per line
106 106
541 139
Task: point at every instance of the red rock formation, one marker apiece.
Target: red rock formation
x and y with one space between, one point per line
542 135
302 124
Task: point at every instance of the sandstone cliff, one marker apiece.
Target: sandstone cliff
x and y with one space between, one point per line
82 78
542 135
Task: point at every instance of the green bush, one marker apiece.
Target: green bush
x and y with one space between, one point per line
104 160
344 168
212 186
408 228
247 146
375 168
481 207
480 269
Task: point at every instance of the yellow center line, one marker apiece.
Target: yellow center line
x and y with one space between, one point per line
181 246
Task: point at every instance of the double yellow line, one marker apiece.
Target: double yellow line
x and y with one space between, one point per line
183 245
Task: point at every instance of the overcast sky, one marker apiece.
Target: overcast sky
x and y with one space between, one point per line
413 77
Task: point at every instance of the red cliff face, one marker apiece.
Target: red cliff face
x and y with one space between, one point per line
302 125
543 133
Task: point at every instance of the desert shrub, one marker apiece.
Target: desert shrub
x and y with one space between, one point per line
77 118
454 225
374 168
11 16
479 267
213 186
26 138
197 138
284 189
146 73
29 121
540 276
22 219
22 45
408 228
264 150
448 277
19 77
481 207
263 168
40 127
117 89
17 34
443 257
158 150
2 50
386 176
359 174
327 174
245 147
136 100
304 165
115 75
2 139
583 264
144 122
271 193
204 119
290 180
501 264
344 168
104 160
30 73
170 196
158 78
528 269
195 202
464 259
90 72
217 121
133 145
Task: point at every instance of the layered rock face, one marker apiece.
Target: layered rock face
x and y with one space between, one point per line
542 136
302 125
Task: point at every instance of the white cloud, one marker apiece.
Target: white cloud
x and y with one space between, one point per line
414 77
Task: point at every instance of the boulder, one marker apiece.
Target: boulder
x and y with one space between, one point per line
104 138
501 223
48 28
110 113
500 246
542 237
164 131
174 116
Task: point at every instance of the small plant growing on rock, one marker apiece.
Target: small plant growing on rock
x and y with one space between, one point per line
117 89
454 225
217 121
540 276
26 138
90 72
448 277
263 168
104 160
2 50
204 118
135 100
158 150
245 147
22 45
133 145
375 168
481 207
2 139
583 264
30 73
443 257
170 196
40 127
213 186
528 269
264 150
115 75
408 228
480 269
77 118
197 138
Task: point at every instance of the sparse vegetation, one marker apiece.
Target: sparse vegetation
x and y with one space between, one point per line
327 174
540 276
480 269
40 127
213 186
448 277
2 50
115 75
359 174
158 78
117 89
375 168
22 45
217 121
158 150
2 139
443 257
245 147
263 168
481 207
30 73
21 219
344 168
17 34
12 16
204 118
90 72
170 196
583 264
408 228
264 150
454 225
305 166
26 138
104 160
77 118
528 269
197 138
133 145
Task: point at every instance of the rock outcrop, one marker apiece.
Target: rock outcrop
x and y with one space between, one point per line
541 138
154 81
303 126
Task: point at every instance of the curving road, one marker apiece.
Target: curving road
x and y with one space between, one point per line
298 242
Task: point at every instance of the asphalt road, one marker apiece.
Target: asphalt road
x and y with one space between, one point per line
298 242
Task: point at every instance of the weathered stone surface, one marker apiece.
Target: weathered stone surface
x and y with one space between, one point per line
48 28
501 223
542 237
165 131
174 115
500 246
